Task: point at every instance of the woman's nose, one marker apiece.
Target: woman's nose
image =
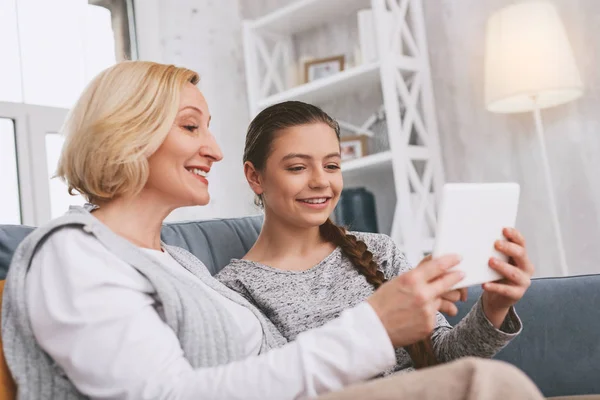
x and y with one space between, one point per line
212 149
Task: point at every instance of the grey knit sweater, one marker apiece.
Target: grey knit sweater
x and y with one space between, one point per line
298 301
206 331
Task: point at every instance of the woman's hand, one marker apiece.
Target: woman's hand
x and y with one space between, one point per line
499 296
453 296
407 305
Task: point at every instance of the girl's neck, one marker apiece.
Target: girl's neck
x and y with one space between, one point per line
282 243
138 219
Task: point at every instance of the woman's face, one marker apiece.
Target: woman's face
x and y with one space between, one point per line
179 168
302 180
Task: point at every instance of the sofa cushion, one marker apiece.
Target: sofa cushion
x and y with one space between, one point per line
10 237
215 242
559 347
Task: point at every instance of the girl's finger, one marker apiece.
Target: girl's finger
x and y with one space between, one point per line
514 236
510 272
514 251
512 292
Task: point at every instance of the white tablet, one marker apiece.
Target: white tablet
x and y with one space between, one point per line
470 219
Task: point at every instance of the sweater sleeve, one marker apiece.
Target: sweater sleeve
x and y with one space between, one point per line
474 335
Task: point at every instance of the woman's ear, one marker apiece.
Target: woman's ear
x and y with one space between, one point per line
253 178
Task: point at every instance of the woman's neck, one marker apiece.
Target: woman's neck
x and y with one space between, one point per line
138 219
281 242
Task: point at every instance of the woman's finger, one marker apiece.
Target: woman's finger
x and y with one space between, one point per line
512 292
514 236
448 307
453 296
464 294
428 258
443 284
434 268
510 272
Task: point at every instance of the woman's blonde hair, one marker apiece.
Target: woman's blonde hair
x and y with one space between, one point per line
120 120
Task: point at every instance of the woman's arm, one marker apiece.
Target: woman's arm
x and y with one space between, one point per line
95 316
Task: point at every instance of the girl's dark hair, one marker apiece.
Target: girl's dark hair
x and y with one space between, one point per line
259 139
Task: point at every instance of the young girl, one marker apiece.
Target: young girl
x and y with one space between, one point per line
304 270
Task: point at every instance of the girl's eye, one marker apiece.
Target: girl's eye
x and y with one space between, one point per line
333 166
191 128
296 169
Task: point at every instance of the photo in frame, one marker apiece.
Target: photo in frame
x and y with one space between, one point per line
352 147
322 68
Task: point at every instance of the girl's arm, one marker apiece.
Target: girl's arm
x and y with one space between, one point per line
474 335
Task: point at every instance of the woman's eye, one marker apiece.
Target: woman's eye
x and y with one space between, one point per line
296 169
333 166
191 128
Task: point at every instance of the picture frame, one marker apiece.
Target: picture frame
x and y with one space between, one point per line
323 68
353 147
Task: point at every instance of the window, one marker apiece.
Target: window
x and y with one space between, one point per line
123 26
10 67
10 205
62 45
50 50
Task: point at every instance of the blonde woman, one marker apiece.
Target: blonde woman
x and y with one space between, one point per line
95 306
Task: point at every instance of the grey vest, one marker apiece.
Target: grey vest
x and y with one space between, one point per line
206 331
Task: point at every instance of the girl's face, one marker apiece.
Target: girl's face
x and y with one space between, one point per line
302 180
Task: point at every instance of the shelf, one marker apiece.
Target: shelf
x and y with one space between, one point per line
303 15
362 77
375 161
383 160
328 88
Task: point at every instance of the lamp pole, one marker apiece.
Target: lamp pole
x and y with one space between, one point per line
551 198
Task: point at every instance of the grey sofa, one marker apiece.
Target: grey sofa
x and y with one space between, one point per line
560 344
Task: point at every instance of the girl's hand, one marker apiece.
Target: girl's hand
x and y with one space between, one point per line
499 296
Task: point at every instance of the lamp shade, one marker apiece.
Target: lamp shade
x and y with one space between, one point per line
528 60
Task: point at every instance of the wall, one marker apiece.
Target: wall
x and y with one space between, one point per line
205 36
477 146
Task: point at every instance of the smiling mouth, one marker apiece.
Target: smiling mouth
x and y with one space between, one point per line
316 200
198 172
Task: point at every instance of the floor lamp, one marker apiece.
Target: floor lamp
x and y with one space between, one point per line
529 66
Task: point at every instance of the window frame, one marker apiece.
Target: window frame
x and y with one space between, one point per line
31 123
123 24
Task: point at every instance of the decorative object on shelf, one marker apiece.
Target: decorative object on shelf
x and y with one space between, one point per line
323 67
367 37
352 147
529 66
356 210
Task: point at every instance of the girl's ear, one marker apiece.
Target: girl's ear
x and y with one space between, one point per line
253 178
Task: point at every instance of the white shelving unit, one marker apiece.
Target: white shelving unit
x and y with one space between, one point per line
345 82
414 155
